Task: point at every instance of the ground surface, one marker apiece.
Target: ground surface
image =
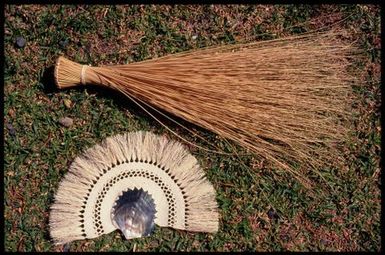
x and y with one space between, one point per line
263 211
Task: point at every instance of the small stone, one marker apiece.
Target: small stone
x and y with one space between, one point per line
11 129
67 103
67 122
66 247
63 43
20 42
12 113
324 241
194 37
272 214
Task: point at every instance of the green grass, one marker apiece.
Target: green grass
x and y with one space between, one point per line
38 150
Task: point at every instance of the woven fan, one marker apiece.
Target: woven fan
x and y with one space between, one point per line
132 182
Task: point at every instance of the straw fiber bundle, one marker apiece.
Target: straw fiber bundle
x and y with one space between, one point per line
282 99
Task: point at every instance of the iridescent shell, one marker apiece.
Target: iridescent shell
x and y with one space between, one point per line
134 213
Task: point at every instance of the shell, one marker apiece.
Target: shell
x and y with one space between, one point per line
134 213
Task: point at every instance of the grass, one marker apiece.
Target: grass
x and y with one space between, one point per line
262 210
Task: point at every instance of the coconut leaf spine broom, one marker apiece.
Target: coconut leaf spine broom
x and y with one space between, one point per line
284 100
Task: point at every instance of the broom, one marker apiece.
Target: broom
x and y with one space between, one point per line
283 100
132 182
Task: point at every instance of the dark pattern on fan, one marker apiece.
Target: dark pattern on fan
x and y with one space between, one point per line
134 213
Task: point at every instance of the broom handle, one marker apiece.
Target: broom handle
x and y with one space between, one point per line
71 74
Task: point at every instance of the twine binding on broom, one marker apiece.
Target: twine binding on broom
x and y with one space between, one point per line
83 75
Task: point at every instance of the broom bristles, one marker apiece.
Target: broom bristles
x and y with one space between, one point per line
284 100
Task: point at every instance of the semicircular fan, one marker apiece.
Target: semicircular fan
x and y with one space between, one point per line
132 182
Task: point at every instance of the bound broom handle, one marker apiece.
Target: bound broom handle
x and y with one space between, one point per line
71 74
